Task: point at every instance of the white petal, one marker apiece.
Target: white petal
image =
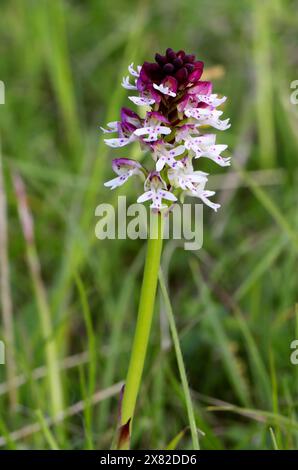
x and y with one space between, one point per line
164 89
132 71
157 202
222 125
167 195
143 131
198 177
145 196
112 127
121 142
160 163
211 204
177 151
152 132
127 85
141 101
198 113
163 130
119 181
211 100
207 139
204 195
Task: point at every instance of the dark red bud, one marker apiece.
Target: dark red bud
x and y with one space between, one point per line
170 54
189 67
181 55
181 75
177 63
189 58
161 59
168 68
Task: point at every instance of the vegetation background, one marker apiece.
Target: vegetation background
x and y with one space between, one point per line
69 301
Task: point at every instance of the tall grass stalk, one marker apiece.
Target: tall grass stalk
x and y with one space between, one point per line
262 49
144 321
55 385
181 367
5 294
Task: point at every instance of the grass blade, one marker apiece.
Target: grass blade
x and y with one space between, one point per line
180 362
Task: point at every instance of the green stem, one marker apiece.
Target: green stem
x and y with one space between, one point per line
145 314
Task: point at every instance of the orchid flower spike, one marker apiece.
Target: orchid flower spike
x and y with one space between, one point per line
179 106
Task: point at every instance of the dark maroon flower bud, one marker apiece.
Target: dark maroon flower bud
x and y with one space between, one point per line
181 75
161 59
189 67
181 55
177 63
153 68
189 58
170 53
168 68
152 71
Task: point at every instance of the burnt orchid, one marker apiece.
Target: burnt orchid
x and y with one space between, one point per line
179 108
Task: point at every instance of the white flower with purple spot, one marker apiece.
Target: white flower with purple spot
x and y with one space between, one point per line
153 128
133 72
208 117
120 142
185 177
204 195
156 191
142 100
164 90
211 100
166 155
204 146
124 168
127 85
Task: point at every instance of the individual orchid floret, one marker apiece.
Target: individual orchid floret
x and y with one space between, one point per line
204 146
185 177
156 191
125 168
208 117
213 153
127 85
204 195
153 127
130 121
166 155
167 87
211 100
144 100
180 106
133 72
185 132
190 98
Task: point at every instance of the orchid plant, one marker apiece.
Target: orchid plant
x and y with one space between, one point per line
179 107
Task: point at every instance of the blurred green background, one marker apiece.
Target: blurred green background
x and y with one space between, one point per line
69 301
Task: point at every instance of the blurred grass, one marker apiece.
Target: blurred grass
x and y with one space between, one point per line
233 301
